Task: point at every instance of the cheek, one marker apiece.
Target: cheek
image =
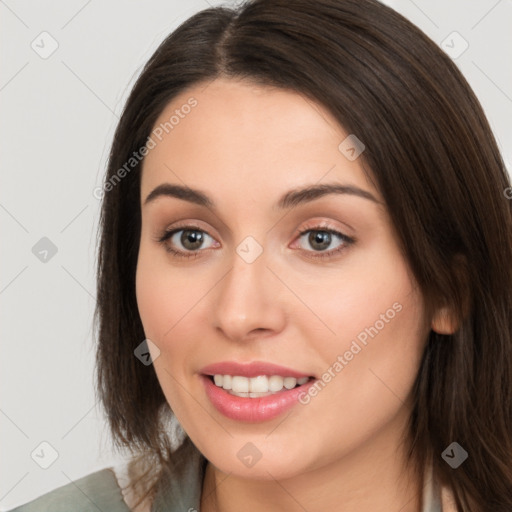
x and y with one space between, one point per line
150 301
375 315
371 363
170 304
160 309
366 298
157 301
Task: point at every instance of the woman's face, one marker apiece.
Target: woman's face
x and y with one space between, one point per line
337 304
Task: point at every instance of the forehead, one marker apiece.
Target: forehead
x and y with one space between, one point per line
229 133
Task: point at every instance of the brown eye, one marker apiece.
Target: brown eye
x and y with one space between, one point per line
185 242
319 240
191 239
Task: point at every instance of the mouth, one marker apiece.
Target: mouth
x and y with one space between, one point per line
255 399
256 387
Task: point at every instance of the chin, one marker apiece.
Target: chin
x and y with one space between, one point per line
264 463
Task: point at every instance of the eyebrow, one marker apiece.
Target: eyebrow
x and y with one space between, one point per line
288 200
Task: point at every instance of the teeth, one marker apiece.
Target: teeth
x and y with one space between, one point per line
275 383
290 382
225 381
255 387
250 395
258 384
240 384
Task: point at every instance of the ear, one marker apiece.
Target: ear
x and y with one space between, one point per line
444 321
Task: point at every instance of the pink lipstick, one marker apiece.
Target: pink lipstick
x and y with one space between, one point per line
253 392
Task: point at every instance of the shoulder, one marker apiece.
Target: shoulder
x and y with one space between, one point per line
93 492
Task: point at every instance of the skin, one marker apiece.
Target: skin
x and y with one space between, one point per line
244 146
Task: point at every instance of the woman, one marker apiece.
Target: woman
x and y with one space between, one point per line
305 231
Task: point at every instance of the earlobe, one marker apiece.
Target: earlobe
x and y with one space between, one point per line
444 321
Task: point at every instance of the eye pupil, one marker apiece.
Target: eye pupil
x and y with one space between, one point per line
193 236
319 237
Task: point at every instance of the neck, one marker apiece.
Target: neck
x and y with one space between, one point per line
367 479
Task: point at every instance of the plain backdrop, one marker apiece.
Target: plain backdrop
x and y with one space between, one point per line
58 112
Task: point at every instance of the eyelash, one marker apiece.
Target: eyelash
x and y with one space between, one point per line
347 241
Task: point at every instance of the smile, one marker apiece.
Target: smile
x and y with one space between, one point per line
256 387
254 406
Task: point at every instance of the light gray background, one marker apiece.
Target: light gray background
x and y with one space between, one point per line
58 117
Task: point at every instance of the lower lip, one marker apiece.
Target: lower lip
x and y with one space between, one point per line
253 410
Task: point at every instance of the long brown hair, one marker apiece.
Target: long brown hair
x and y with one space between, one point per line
431 153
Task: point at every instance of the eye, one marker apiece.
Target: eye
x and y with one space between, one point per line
188 240
321 238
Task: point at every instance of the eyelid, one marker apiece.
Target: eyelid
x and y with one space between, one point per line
319 226
324 226
168 233
191 224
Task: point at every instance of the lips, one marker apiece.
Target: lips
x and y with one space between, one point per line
253 369
253 410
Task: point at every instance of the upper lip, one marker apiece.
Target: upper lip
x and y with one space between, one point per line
252 369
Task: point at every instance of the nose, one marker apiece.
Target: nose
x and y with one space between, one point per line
249 301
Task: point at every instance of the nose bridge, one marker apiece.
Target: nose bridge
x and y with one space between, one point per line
247 297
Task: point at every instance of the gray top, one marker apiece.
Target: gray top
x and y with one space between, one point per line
95 492
100 491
